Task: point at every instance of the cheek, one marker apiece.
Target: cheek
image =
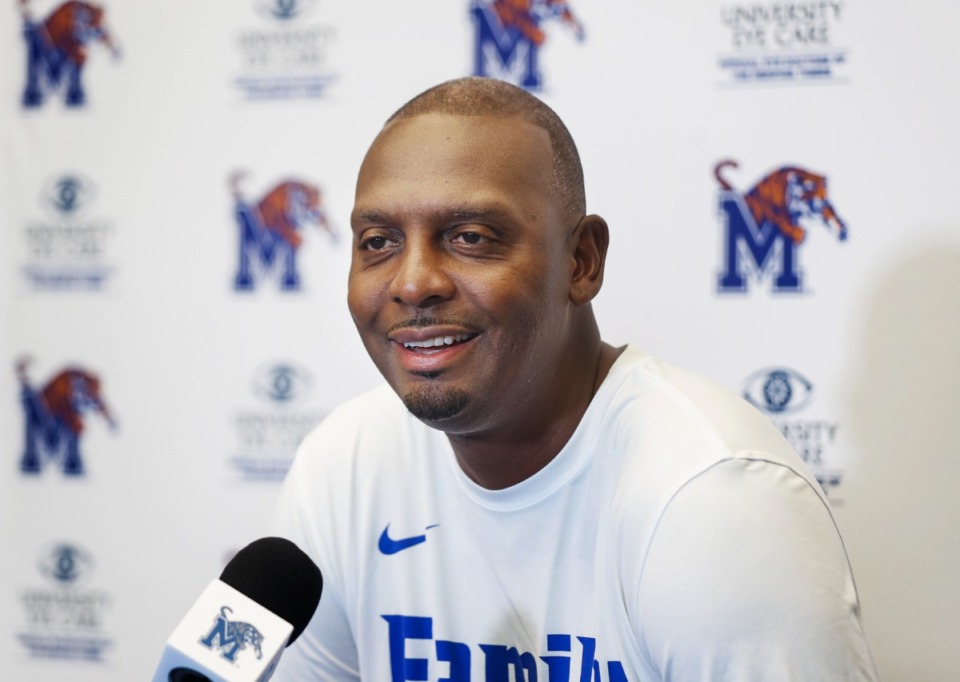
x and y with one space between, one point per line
363 299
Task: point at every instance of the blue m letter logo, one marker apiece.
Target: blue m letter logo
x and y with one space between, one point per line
264 245
754 250
503 52
48 65
45 433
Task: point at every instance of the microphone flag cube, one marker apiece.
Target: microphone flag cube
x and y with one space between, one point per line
225 637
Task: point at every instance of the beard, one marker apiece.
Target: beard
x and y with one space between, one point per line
434 403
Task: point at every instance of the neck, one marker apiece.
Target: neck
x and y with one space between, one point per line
544 424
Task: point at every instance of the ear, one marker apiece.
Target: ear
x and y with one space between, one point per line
590 240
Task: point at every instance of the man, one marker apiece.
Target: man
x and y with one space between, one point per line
525 501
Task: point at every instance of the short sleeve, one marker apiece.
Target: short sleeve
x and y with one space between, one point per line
746 580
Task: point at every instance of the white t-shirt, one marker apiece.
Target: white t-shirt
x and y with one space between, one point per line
675 537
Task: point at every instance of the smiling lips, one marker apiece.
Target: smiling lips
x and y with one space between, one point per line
427 351
438 341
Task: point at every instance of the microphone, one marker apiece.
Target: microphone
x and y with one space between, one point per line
238 628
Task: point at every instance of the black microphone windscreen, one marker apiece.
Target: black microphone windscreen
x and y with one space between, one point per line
280 577
186 675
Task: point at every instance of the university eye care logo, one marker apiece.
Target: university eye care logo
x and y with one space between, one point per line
764 228
55 416
510 34
269 432
782 43
786 396
57 50
270 230
67 245
285 56
64 617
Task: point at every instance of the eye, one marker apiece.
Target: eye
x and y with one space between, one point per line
376 242
469 237
778 390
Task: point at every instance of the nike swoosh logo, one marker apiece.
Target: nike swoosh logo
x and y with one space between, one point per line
388 545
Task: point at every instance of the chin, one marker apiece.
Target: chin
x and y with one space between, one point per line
435 404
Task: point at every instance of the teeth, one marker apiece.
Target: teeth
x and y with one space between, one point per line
437 341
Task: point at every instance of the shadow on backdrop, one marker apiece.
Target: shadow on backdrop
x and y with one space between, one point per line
902 523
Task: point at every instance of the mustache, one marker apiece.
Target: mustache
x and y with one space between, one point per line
421 321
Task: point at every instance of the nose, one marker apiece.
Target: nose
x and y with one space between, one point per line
421 278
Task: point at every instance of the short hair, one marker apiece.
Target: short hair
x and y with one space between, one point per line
474 96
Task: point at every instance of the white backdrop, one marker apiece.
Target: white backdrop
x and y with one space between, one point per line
119 251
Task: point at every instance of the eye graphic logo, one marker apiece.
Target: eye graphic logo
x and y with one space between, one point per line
764 228
778 391
509 35
65 619
268 433
231 636
283 383
54 418
285 10
68 194
57 50
68 248
65 564
270 229
785 396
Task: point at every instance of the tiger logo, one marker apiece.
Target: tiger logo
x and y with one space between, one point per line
272 226
233 636
54 417
57 49
526 16
786 196
510 33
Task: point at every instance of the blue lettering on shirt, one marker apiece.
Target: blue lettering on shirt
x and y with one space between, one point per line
502 663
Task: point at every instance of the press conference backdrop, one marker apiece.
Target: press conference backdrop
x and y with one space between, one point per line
780 179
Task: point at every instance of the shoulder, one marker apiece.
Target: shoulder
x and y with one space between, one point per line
747 574
686 398
676 423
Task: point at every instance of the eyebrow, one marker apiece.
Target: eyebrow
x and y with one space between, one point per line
466 214
369 217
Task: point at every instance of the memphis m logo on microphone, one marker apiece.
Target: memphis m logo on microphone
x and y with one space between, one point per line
765 227
230 637
510 34
57 50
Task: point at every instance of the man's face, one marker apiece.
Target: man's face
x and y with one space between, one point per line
459 283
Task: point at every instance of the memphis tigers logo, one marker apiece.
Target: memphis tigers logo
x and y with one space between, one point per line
270 229
54 417
765 226
232 636
57 50
509 35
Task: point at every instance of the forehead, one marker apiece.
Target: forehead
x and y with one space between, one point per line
443 158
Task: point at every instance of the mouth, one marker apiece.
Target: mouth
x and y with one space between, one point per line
437 343
428 351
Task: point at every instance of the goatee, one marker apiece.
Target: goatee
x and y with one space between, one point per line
435 404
